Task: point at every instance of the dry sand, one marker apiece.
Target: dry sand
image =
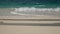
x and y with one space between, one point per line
5 29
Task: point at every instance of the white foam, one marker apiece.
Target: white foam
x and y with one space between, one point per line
25 9
33 9
24 14
36 9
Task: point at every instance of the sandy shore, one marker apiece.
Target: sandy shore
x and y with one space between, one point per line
16 29
29 29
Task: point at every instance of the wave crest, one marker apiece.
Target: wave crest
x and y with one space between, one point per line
36 11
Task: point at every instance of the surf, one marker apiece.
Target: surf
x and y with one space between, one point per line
35 11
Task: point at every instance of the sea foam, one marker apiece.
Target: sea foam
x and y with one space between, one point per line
35 11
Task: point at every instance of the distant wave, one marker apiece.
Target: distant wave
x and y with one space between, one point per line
35 11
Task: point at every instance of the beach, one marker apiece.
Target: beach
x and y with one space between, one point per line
5 29
29 16
10 21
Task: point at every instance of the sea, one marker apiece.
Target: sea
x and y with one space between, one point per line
29 3
30 7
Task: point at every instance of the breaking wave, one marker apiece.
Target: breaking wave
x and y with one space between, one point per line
35 11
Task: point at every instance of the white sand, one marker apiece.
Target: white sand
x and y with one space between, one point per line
29 30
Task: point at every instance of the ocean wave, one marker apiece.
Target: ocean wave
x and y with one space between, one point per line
35 11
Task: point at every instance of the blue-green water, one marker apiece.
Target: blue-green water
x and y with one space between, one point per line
29 7
30 3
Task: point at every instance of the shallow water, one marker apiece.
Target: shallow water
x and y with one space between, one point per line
13 12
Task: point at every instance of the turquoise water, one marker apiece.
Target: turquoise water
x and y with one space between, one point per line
29 3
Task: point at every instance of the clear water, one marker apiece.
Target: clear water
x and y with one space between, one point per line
30 3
